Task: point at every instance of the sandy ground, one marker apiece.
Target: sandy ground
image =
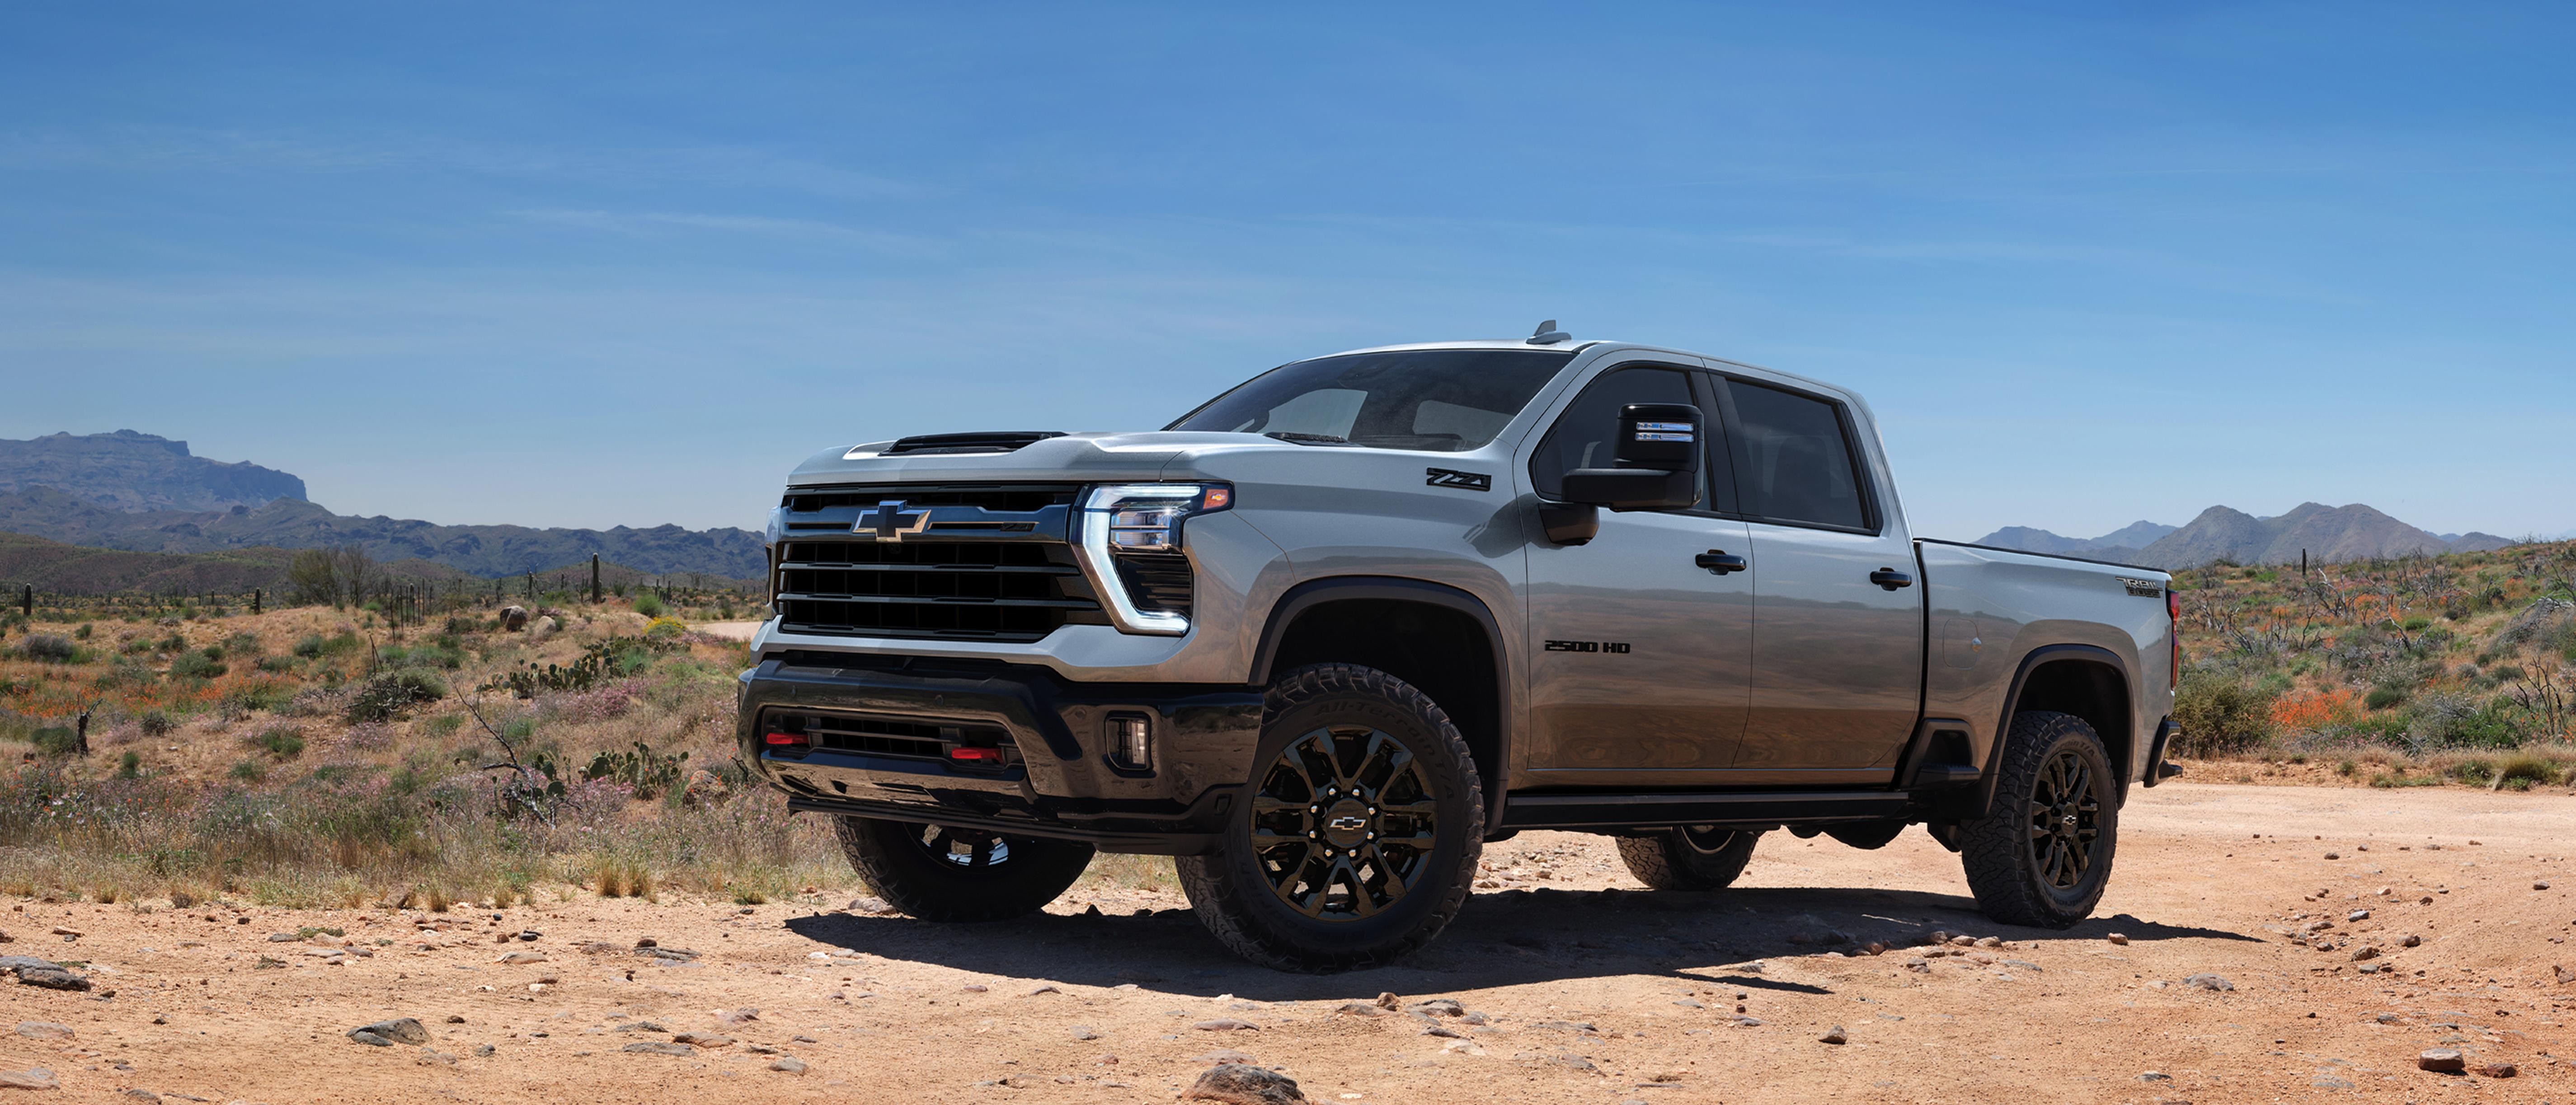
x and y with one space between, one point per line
731 631
1577 985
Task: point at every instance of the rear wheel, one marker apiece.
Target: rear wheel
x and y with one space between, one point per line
1359 834
1693 857
2044 856
938 873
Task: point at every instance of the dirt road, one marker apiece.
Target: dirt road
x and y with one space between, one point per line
1576 985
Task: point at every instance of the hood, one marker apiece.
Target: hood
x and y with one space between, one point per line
1071 458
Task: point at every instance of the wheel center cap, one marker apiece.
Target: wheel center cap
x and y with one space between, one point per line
1346 823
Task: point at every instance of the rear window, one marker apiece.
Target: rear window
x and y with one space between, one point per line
1433 400
1795 459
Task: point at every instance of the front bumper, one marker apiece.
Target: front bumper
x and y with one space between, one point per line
1063 783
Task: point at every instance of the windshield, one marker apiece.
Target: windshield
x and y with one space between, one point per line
1434 400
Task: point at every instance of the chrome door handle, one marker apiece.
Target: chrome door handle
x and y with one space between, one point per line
1891 579
1720 562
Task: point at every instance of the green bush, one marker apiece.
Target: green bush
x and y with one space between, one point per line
55 740
310 647
249 771
2418 625
2526 771
2219 714
284 742
195 665
651 605
277 663
156 723
50 648
82 633
386 696
129 766
2383 697
2440 722
242 644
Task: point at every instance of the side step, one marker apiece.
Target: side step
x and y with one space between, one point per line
1638 811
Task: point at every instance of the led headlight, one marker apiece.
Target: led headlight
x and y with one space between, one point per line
1137 519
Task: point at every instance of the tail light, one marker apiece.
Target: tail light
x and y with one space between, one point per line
2173 629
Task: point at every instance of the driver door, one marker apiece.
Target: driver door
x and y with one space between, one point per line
1640 656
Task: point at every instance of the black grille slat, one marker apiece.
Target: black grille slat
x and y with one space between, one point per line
992 563
923 740
1160 581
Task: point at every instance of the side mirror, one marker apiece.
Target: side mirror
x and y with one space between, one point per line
1655 462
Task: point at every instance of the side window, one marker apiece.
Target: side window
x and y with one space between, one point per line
1585 435
1794 460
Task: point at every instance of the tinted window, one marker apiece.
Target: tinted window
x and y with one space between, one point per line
1586 435
1795 461
1437 400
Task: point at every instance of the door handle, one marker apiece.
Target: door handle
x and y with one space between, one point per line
1891 579
1720 562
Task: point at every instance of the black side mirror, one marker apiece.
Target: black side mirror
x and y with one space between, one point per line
1655 462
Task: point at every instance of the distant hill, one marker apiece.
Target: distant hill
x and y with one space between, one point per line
2127 539
141 493
2326 534
295 524
52 567
130 471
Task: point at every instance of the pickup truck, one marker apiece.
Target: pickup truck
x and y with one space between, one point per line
1329 633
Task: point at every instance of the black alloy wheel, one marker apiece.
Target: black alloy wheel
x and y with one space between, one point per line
939 873
2065 820
1344 822
968 850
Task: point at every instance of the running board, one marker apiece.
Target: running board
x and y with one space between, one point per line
1646 811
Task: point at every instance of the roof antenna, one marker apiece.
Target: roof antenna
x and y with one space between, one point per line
1548 334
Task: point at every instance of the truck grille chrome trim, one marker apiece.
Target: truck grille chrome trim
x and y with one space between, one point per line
1092 549
984 563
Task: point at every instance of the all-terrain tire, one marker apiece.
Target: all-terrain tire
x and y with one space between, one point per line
1693 858
938 874
1271 895
2028 863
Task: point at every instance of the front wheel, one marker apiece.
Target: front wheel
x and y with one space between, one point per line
938 873
1358 837
2043 855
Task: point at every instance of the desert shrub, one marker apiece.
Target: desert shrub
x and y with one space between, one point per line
195 665
51 648
2219 714
82 633
282 741
310 647
386 696
643 770
156 723
459 625
55 740
2526 771
2418 624
444 725
665 629
129 766
2444 721
2384 696
276 664
651 605
242 644
248 771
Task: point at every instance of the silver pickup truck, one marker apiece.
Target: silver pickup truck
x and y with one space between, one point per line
1327 634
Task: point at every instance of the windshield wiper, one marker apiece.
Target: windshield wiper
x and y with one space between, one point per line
1307 439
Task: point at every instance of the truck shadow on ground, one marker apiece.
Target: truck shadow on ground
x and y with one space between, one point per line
1502 938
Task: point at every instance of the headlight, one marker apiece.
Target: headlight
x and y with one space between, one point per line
1140 519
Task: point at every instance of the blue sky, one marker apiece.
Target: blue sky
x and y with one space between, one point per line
590 265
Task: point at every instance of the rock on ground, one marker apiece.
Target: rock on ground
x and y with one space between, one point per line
1238 1084
2442 1060
400 1030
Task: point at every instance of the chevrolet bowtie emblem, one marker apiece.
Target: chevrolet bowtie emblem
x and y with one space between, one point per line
890 522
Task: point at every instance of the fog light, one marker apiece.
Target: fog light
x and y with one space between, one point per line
970 754
786 742
1128 746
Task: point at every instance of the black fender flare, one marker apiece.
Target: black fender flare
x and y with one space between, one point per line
1315 592
2030 662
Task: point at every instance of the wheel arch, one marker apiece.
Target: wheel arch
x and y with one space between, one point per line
1443 640
2087 681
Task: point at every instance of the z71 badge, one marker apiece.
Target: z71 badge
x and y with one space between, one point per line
1468 481
2143 588
1588 646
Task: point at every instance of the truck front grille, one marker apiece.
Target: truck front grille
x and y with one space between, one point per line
969 563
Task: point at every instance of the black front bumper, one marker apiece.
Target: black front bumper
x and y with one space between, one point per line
1063 783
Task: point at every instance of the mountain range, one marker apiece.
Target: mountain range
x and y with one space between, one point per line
141 493
2324 534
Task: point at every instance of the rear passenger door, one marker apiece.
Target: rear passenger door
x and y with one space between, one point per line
1837 615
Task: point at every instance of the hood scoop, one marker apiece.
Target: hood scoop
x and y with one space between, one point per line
992 442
